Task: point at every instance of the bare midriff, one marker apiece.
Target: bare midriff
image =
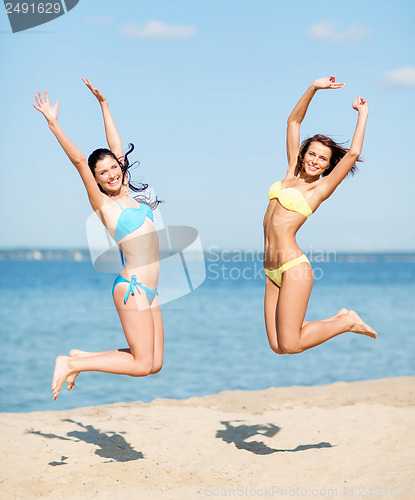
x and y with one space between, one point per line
141 252
280 228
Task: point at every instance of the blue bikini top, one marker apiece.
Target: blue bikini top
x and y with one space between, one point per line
130 219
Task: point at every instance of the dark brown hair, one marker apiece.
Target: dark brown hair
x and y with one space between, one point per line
100 154
337 153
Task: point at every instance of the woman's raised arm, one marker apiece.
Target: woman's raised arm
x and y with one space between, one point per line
74 154
297 116
330 182
111 132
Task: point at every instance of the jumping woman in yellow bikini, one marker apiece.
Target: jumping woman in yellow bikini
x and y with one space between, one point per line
130 223
315 169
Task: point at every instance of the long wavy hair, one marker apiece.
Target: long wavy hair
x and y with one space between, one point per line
100 154
337 153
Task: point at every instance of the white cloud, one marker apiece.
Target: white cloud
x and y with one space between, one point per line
327 32
99 21
402 77
157 30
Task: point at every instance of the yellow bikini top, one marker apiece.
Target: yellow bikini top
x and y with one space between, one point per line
290 198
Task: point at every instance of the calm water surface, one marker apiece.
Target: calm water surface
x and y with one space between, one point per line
215 336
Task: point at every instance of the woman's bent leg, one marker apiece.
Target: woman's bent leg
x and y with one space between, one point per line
158 346
295 291
270 314
139 329
294 335
78 353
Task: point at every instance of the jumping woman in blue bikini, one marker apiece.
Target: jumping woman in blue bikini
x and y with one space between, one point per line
315 169
130 223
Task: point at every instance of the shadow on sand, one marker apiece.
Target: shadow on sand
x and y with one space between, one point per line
109 445
238 435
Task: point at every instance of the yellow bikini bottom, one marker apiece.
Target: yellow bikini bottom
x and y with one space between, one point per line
276 274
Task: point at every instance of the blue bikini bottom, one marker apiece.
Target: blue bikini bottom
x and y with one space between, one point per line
131 289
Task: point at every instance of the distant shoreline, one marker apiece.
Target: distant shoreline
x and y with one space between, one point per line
243 255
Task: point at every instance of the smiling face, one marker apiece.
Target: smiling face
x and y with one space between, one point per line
108 174
316 159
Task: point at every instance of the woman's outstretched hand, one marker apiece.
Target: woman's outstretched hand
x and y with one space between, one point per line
44 106
327 83
101 98
359 104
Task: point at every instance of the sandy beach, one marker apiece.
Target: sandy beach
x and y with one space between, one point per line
353 440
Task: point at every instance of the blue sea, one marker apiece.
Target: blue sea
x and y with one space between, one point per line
215 338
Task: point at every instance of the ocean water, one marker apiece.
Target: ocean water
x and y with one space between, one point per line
215 337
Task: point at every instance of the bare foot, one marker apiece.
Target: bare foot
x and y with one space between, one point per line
60 374
359 326
75 353
70 381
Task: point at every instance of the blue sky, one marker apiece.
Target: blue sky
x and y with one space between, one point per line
203 90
